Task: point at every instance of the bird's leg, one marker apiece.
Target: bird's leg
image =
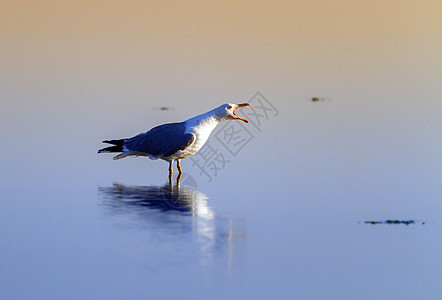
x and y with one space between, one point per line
178 166
170 171
179 172
178 179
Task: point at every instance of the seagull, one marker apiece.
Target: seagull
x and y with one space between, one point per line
174 141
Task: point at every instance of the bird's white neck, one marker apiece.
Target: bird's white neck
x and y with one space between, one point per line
209 120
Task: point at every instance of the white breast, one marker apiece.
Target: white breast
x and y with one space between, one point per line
202 132
201 128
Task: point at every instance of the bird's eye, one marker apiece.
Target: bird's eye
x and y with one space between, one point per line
229 107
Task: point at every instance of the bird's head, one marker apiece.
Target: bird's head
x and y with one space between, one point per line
227 111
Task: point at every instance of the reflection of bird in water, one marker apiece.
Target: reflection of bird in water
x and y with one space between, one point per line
176 213
168 197
174 141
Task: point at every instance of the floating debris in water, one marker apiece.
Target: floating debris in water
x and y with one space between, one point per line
319 99
163 108
390 222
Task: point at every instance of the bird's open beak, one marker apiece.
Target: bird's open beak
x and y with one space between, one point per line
241 105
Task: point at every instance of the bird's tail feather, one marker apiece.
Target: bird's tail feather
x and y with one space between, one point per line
118 146
111 149
126 154
115 142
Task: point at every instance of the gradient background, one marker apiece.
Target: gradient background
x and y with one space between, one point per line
80 58
73 73
76 72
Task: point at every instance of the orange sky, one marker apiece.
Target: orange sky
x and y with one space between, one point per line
99 52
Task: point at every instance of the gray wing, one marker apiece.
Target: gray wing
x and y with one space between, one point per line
161 141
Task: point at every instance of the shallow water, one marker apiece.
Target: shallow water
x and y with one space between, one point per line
346 130
79 225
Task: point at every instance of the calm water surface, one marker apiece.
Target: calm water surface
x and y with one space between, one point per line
75 225
274 209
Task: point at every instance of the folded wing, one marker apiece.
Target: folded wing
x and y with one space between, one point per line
161 141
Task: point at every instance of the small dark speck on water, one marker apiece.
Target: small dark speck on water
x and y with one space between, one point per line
319 99
163 108
390 222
